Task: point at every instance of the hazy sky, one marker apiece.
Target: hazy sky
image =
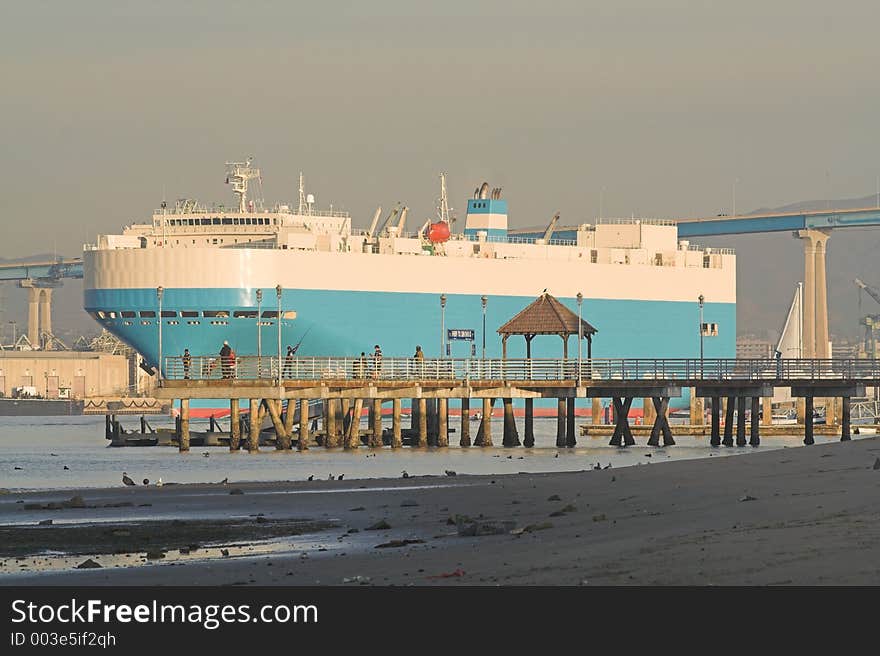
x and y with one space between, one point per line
662 105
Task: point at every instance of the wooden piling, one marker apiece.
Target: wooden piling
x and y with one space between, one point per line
254 437
183 445
442 422
845 418
234 425
288 415
303 443
561 411
432 426
729 408
353 433
715 435
282 437
376 427
596 417
755 438
696 408
570 439
423 422
331 434
529 437
484 433
649 416
510 437
740 421
808 421
465 437
396 440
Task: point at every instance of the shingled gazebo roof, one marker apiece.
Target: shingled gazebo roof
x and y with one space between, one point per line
546 316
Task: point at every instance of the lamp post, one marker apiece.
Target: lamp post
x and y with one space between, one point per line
159 293
700 299
580 301
259 333
442 325
483 301
278 295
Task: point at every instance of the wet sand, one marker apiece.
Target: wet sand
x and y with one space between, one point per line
798 516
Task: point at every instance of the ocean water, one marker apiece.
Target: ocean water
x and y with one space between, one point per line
35 450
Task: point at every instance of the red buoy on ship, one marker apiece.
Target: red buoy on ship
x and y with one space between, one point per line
438 232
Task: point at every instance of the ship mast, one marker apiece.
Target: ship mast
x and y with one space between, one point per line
443 211
238 174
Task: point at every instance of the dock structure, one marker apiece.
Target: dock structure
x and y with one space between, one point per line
728 384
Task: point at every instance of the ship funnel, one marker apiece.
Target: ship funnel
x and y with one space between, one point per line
484 191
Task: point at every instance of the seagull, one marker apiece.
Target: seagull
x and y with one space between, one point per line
608 466
66 467
206 454
405 475
598 466
17 467
339 478
330 477
54 455
311 477
225 552
146 481
127 480
224 481
449 472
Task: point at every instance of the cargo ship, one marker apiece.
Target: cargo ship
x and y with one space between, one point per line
213 274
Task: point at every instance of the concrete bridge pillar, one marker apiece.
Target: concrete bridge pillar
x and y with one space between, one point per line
46 314
815 294
33 328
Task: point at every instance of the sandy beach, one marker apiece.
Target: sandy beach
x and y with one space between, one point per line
793 516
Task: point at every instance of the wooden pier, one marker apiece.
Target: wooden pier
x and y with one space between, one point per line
345 387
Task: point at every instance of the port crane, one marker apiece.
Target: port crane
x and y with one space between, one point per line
871 322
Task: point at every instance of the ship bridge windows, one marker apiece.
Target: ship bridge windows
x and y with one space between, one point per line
148 314
227 221
215 221
169 313
222 314
204 221
245 314
128 314
189 313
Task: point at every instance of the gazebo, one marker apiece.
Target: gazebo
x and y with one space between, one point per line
546 315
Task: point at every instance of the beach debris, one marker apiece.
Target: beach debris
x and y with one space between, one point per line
120 532
877 464
543 526
648 455
554 497
363 580
447 575
261 520
405 475
468 527
608 466
353 530
381 525
76 501
748 497
449 472
397 543
45 522
236 490
155 554
127 479
563 511
409 503
88 563
54 455
613 479
601 517
356 509
17 468
159 482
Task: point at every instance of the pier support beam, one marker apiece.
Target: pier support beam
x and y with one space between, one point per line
442 422
845 414
661 423
740 421
282 437
529 437
423 422
597 412
561 411
254 420
289 415
808 421
234 425
648 414
715 435
484 433
755 438
696 407
510 435
183 444
728 421
352 438
465 437
622 434
376 428
433 428
331 434
767 408
303 443
570 439
396 440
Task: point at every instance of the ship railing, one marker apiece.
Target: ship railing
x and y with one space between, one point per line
329 368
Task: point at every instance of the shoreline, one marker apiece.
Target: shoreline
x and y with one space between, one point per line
782 516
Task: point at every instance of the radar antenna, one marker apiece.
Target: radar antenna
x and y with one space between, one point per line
238 174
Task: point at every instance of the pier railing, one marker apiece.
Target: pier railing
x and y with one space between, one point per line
317 368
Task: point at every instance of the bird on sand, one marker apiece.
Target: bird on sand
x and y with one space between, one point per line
224 481
17 467
339 478
311 477
405 475
206 454
330 477
146 481
225 552
608 466
598 466
449 472
127 480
